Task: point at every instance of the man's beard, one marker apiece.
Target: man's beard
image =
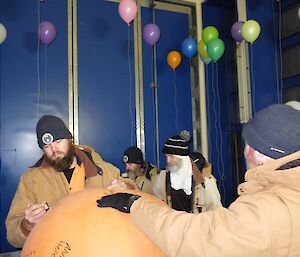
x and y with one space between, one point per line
132 175
61 164
175 167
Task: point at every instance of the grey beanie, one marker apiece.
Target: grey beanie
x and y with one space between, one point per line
274 131
50 128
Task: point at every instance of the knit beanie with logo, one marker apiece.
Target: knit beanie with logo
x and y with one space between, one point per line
51 128
133 155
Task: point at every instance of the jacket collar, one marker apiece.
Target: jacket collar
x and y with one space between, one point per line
268 174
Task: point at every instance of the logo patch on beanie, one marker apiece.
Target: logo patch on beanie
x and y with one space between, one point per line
125 158
47 138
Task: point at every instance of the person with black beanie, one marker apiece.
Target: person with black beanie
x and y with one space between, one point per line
63 169
143 173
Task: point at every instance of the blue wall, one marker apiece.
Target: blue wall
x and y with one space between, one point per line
264 69
34 81
23 99
106 80
174 89
220 81
225 143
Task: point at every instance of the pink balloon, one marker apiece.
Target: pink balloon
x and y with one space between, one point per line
127 10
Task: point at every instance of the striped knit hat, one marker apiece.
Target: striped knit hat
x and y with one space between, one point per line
178 145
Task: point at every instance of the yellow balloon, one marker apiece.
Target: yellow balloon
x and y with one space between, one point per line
250 30
202 49
174 59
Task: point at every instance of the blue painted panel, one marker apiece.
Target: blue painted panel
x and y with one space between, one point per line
105 80
20 94
222 95
107 123
264 68
221 102
174 87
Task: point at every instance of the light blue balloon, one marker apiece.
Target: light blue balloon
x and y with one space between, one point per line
189 47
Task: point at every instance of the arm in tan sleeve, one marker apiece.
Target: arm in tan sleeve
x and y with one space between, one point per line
221 232
16 235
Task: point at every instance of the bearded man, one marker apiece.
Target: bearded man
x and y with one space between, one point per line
142 172
182 184
63 169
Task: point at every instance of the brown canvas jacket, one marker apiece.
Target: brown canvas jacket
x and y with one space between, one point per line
45 184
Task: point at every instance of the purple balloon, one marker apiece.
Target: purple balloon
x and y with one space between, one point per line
151 34
236 31
46 32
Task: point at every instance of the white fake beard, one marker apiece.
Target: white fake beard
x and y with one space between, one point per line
181 174
175 167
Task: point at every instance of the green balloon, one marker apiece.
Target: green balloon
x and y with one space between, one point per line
215 49
209 33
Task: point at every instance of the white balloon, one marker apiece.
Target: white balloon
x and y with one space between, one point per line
3 33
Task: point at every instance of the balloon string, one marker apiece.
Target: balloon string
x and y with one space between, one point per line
216 126
153 100
130 89
152 65
222 170
154 123
46 77
208 109
214 105
175 101
38 61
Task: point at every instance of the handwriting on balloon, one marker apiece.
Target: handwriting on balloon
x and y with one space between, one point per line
61 250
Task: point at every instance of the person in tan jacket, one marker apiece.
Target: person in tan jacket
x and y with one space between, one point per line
182 184
263 221
142 172
63 169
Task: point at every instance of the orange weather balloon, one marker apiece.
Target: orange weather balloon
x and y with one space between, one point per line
75 226
174 59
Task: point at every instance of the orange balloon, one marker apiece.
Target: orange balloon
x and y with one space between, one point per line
174 59
75 226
